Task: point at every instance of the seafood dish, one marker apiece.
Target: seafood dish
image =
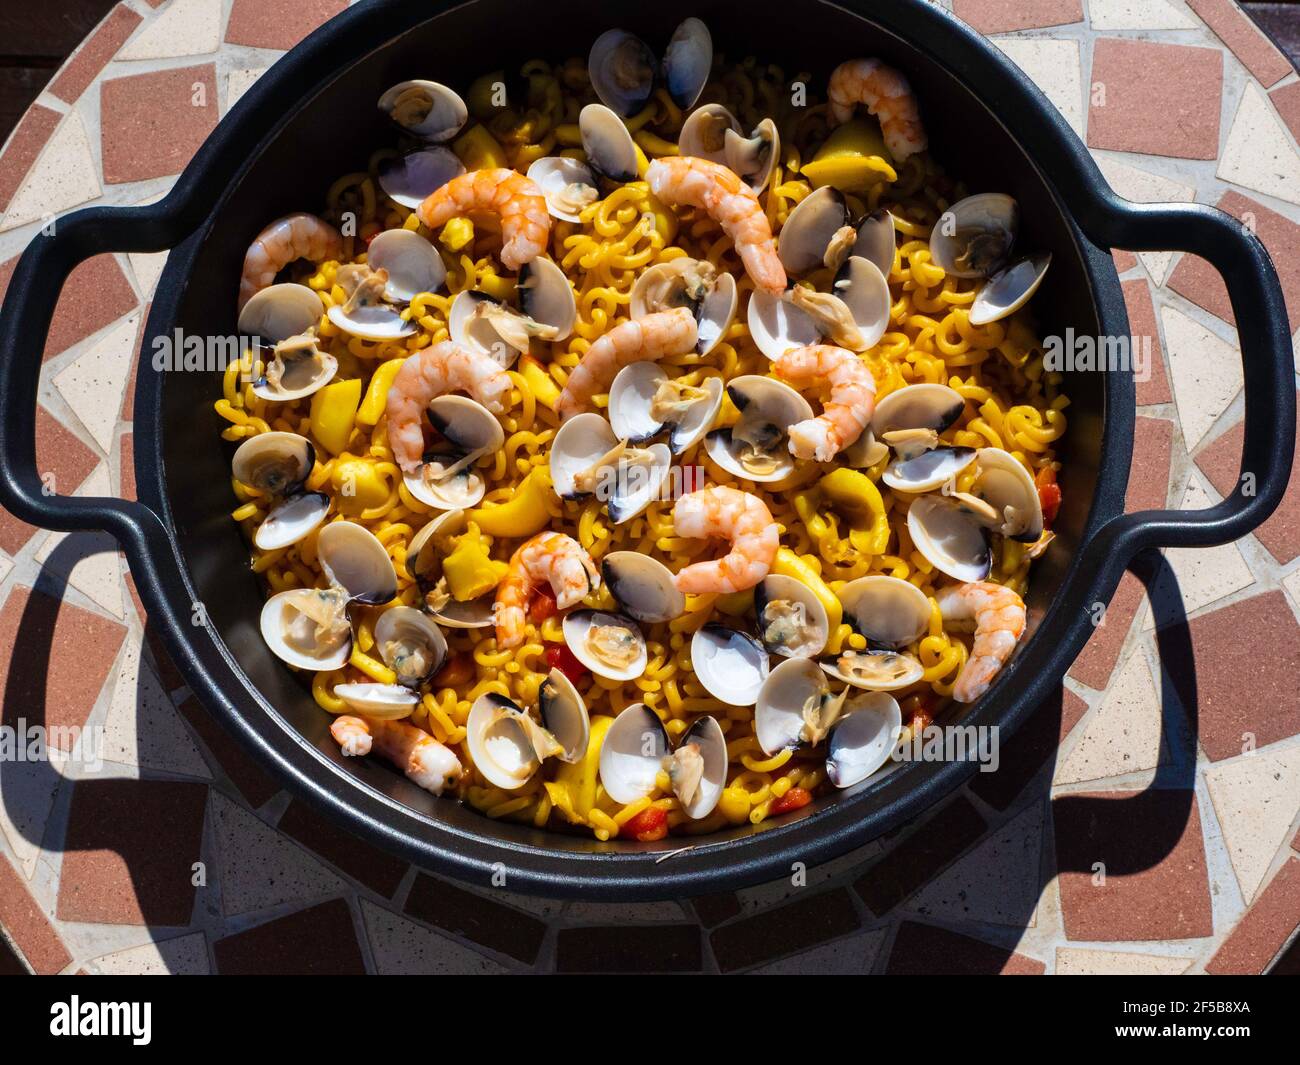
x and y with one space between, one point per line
646 442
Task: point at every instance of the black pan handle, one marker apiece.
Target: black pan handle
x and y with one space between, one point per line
24 326
1268 365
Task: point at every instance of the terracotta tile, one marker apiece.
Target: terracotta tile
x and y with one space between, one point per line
58 452
95 294
1227 645
785 930
91 57
919 856
923 950
1155 884
58 656
377 869
1287 102
1146 339
24 146
150 124
1161 99
253 784
278 23
1097 660
28 926
636 949
476 918
1148 483
315 942
712 910
1221 462
126 475
1248 43
129 852
1200 282
1265 928
1001 16
1124 260
1023 755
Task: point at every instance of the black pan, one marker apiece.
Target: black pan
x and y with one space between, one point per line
313 117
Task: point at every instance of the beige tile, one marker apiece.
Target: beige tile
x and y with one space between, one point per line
185 27
1146 187
239 82
1138 15
1292 584
182 956
6 565
147 267
1122 735
1054 67
1259 153
402 947
1255 798
65 176
1071 961
1205 372
99 575
94 383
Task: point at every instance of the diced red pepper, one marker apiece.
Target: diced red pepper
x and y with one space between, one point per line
542 605
647 826
456 672
791 800
1049 494
560 657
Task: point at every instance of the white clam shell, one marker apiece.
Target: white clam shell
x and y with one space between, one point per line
778 712
388 702
1002 481
555 175
578 624
301 379
688 60
732 665
291 520
808 229
412 178
888 611
865 292
631 397
706 735
664 287
578 445
278 614
275 463
643 586
279 312
564 714
546 296
775 632
777 325
425 109
754 157
424 566
864 738
413 264
375 322
500 737
353 558
471 431
877 241
874 669
992 218
1009 289
703 134
632 754
397 630
609 147
923 406
623 71
949 538
767 408
929 470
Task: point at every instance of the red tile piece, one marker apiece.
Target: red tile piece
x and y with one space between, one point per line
95 294
1023 755
377 869
28 926
786 930
1002 16
923 950
1229 662
1221 463
1162 99
1287 102
1145 335
129 852
253 784
1196 279
23 148
1265 928
151 124
319 941
1247 41
1124 260
476 917
126 477
60 453
1148 479
1097 660
1155 884
278 23
92 56
56 659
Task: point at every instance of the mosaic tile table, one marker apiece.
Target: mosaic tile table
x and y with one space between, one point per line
1138 760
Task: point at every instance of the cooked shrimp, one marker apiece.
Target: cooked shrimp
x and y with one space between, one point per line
548 557
647 339
684 179
525 222
433 372
723 513
417 754
295 236
999 616
848 410
887 95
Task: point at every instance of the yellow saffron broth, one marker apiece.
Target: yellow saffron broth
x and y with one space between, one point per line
1012 403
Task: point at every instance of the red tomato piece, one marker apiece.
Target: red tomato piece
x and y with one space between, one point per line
647 826
560 657
791 800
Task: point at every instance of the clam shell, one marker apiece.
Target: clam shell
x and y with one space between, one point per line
877 241
291 520
874 669
412 178
277 614
1009 289
632 754
471 431
501 741
387 702
564 715
424 566
664 287
990 220
888 611
279 312
732 665
577 625
808 230
767 410
557 176
546 296
275 463
777 325
425 109
1002 481
687 62
779 628
643 586
609 147
863 739
631 398
375 322
779 722
703 134
578 445
705 734
396 631
929 470
623 71
949 538
354 559
754 157
413 264
923 406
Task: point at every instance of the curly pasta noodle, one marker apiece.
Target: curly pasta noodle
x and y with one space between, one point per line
1012 403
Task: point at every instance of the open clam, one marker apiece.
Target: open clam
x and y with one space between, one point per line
388 702
1009 289
588 457
732 665
447 479
874 669
643 586
756 447
353 559
411 264
410 644
564 715
610 645
817 224
509 745
704 133
1002 482
623 71
688 60
425 109
568 185
637 748
776 324
644 402
366 313
923 406
308 627
692 283
283 318
280 311
795 707
928 470
277 465
546 311
789 618
608 145
864 737
974 237
412 178
424 560
950 537
854 314
888 611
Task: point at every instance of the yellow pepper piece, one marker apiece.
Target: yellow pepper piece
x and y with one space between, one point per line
376 401
788 564
853 159
579 779
858 497
456 234
542 384
734 805
734 604
478 149
333 411
665 220
496 286
358 485
524 514
469 571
